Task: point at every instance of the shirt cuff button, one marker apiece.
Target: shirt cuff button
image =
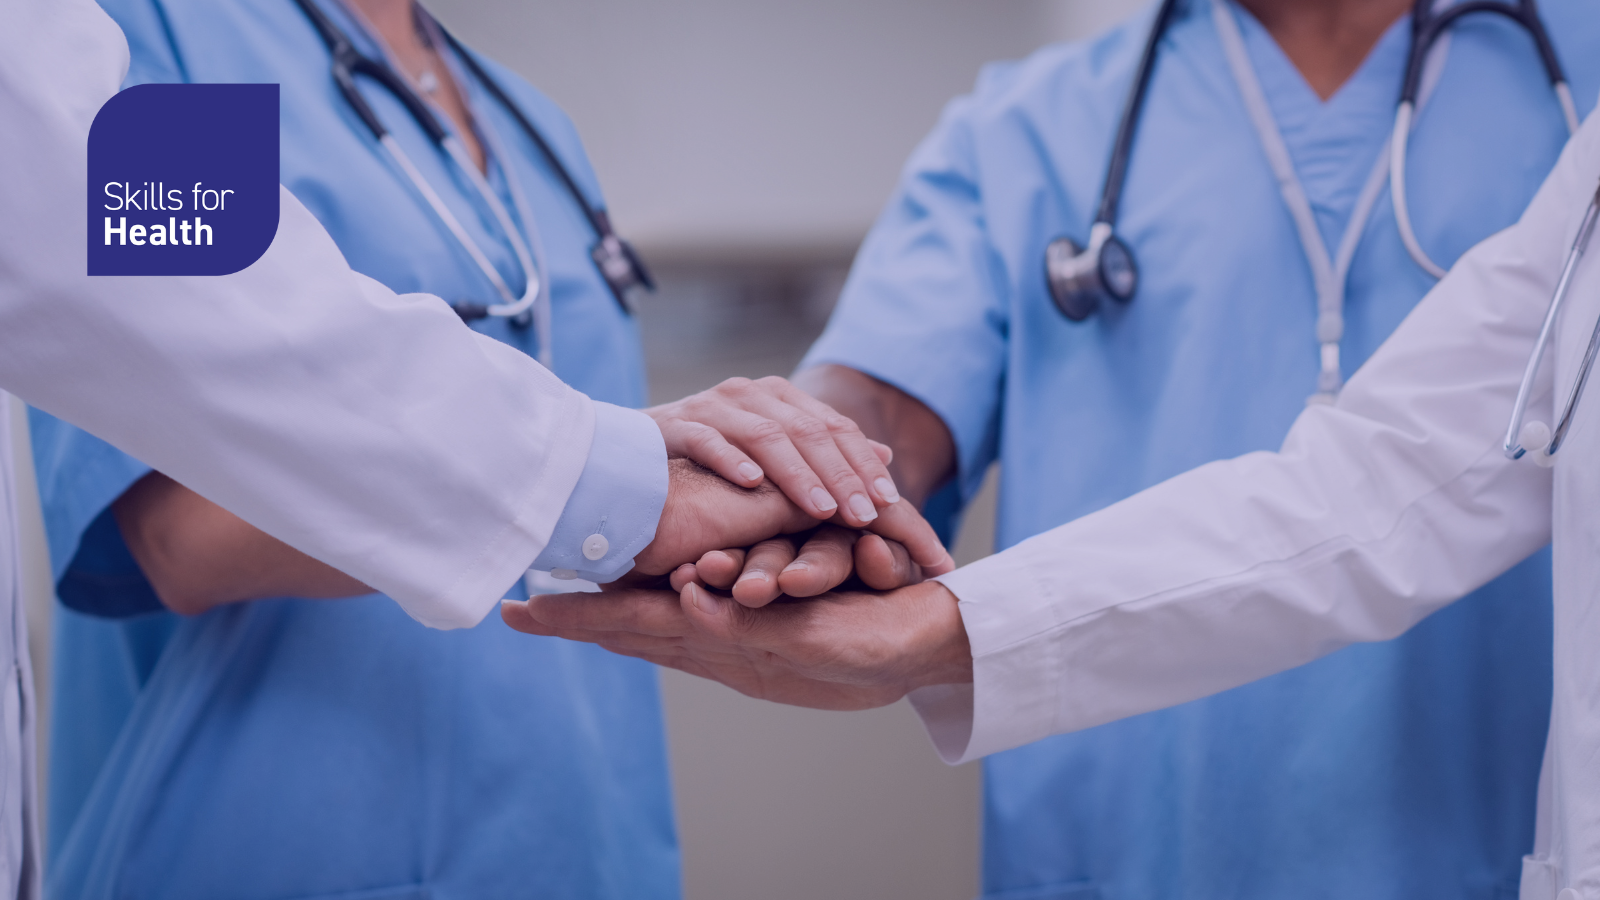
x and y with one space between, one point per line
595 547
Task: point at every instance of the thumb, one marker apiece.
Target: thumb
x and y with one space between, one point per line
516 614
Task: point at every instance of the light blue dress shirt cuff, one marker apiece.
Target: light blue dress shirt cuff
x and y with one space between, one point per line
612 513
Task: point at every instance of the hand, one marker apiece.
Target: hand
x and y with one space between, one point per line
783 566
704 512
839 651
747 431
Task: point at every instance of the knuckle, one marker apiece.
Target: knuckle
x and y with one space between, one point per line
767 432
809 427
736 387
842 424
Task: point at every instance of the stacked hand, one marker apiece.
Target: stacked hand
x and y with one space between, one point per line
839 650
742 583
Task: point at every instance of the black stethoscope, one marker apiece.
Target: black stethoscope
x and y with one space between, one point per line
1082 278
618 263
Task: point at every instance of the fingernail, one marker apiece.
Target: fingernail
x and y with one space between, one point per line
754 575
886 490
700 601
750 471
823 500
797 566
863 508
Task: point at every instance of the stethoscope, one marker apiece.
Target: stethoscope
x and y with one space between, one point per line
1081 279
1536 437
618 263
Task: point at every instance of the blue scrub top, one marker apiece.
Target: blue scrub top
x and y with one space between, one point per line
296 748
1399 770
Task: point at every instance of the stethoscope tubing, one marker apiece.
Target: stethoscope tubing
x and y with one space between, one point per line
347 63
1128 125
1427 29
1512 445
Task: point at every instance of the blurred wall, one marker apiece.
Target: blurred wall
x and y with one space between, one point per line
726 127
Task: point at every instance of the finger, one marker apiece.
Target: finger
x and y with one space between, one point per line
515 613
718 617
793 437
884 451
857 449
884 565
685 574
758 584
763 433
642 612
706 446
718 569
901 522
832 446
822 564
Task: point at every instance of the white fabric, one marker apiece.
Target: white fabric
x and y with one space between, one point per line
19 837
1377 511
367 429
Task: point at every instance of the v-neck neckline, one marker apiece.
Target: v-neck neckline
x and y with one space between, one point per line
1259 40
1332 143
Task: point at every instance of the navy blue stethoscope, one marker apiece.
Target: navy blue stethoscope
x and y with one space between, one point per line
618 263
1082 278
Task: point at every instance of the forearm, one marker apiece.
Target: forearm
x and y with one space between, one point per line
198 556
1377 511
924 451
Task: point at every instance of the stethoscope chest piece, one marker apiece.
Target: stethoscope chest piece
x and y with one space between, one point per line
1082 279
621 267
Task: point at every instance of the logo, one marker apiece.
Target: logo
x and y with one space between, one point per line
183 179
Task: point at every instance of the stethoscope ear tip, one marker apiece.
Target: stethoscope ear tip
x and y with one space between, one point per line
1533 441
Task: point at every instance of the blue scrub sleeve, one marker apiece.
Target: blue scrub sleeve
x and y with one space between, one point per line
79 477
924 306
613 512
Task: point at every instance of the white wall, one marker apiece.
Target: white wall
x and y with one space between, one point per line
721 126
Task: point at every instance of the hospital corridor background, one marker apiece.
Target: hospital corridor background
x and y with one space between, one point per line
746 149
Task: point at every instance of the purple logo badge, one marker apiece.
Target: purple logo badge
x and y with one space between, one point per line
183 179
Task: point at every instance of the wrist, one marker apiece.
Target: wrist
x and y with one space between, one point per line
939 647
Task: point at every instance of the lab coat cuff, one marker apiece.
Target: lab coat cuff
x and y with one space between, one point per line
1013 697
946 712
613 512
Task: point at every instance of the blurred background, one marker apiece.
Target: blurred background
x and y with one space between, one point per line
746 149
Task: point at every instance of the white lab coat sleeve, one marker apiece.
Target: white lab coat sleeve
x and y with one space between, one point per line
1376 512
367 429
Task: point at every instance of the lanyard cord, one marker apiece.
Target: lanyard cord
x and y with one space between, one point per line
1330 275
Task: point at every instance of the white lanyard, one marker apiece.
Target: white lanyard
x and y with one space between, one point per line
1329 274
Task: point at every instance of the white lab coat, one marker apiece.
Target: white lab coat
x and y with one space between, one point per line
369 430
1375 513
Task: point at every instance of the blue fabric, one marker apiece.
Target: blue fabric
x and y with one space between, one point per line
294 748
619 496
1399 770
